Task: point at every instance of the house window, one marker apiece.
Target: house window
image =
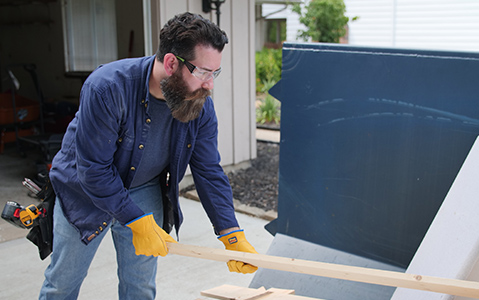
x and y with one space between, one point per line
275 32
89 31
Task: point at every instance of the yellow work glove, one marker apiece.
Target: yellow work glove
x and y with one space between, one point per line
148 237
236 241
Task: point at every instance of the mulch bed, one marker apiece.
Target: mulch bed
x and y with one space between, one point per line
257 185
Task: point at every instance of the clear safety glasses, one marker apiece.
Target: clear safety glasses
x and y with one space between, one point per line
198 72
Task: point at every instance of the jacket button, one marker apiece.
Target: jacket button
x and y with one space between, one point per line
104 224
189 146
120 140
132 168
142 101
141 147
148 121
100 228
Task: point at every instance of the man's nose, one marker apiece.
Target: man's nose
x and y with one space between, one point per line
208 84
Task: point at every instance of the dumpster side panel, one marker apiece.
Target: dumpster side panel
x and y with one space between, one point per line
371 141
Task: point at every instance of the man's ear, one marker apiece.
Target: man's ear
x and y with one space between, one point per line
170 63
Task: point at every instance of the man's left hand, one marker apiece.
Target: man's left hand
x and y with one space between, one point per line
236 241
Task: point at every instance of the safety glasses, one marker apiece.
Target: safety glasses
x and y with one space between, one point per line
198 72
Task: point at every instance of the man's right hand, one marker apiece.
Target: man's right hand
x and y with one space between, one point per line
148 237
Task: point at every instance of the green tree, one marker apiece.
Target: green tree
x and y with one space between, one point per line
324 19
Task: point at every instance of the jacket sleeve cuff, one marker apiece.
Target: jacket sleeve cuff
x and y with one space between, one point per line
238 230
129 213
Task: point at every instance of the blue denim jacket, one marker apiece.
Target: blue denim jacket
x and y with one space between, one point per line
103 145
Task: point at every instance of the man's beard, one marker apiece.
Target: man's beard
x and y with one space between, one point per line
185 106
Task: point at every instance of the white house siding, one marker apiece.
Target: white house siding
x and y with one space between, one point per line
234 92
275 11
418 24
293 26
292 19
375 24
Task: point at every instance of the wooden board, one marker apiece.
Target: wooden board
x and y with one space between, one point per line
374 276
231 292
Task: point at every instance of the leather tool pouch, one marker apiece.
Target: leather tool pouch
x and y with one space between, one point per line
41 234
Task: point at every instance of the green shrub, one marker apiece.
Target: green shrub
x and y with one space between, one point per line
324 19
269 111
268 68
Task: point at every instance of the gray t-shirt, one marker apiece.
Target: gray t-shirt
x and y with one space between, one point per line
157 148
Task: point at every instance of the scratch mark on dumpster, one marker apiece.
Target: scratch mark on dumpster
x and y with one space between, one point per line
366 116
388 108
325 102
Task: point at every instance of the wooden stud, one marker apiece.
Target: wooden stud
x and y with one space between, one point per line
231 292
389 278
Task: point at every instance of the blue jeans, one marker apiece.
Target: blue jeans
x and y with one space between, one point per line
71 258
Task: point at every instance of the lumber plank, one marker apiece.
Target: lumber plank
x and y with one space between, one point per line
288 297
281 291
271 294
275 295
389 278
231 292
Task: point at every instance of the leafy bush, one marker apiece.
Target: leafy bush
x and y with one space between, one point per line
324 19
268 68
269 110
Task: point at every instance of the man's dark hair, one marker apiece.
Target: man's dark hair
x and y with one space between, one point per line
184 32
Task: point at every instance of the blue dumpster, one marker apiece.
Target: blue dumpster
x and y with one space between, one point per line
371 141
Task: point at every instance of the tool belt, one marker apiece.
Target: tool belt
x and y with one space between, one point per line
41 233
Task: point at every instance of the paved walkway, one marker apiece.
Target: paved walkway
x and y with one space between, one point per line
268 135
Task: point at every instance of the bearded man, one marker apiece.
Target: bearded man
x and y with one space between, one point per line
141 122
